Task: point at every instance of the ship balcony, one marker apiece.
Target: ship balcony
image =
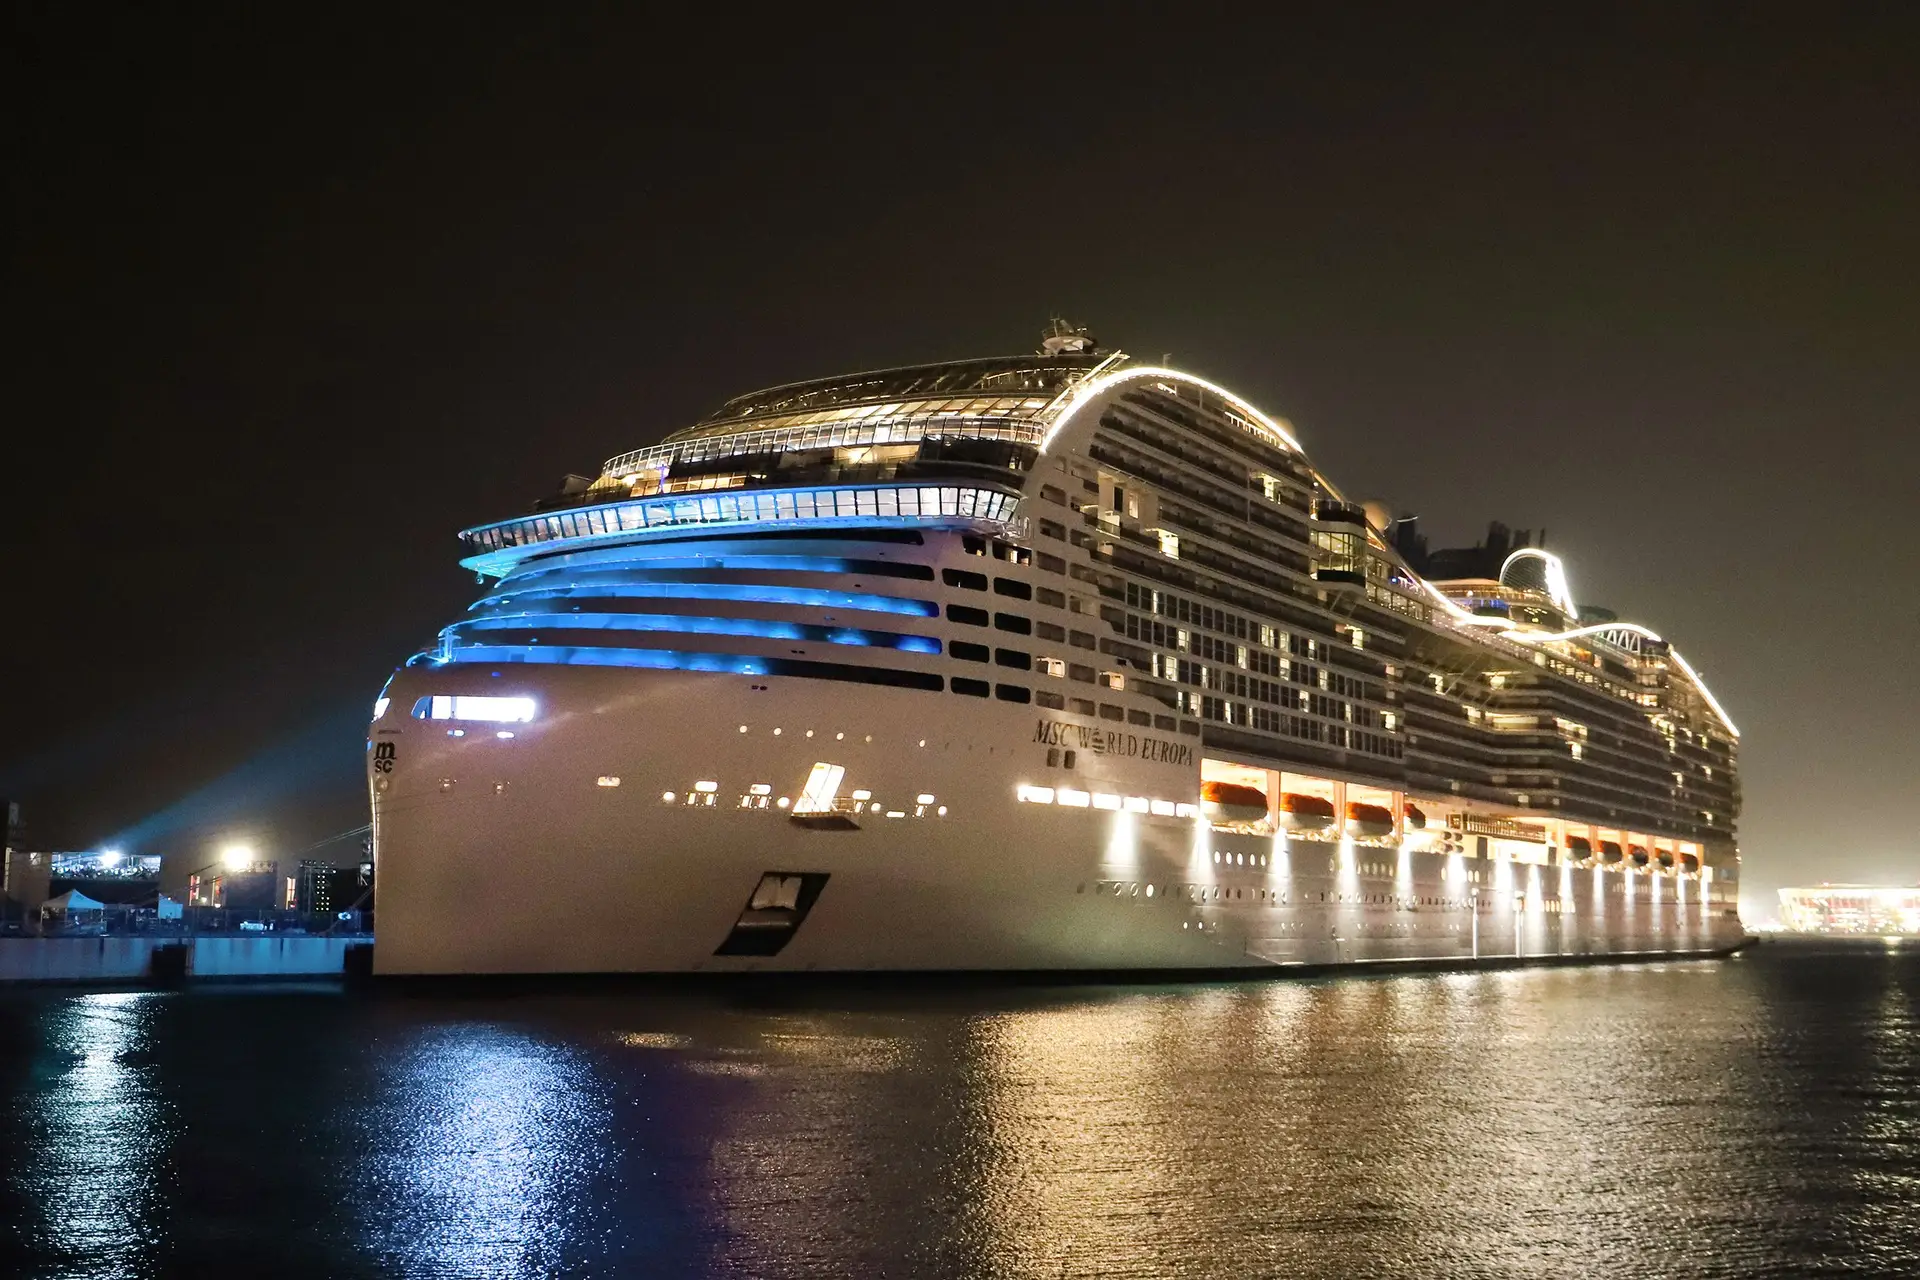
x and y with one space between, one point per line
1328 511
1342 580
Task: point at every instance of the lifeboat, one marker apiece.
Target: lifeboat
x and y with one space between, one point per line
1579 849
1369 821
1231 802
1416 820
1665 858
1610 852
1638 855
1690 862
1305 813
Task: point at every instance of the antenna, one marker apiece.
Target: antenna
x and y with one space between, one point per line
1064 339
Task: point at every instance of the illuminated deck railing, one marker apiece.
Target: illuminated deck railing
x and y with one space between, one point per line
851 433
495 548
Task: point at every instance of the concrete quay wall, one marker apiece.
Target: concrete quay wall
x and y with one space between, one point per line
136 960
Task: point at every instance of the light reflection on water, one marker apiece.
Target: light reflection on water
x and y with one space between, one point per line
99 1136
1753 1117
481 1154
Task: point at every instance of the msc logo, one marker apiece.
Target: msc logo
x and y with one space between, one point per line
383 757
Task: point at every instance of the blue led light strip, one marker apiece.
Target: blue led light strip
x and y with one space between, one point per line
678 660
754 593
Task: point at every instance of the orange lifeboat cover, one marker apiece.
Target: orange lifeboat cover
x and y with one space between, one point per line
1295 802
1234 794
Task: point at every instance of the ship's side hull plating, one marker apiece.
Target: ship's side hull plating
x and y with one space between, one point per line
636 825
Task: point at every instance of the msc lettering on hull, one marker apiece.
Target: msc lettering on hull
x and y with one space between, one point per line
1112 742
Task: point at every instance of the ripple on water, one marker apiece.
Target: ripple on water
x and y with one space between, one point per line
1753 1117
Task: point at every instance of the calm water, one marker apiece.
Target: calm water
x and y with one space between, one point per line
1757 1116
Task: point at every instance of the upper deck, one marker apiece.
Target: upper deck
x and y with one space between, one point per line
1229 500
1002 398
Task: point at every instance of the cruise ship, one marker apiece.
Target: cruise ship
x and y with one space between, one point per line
1051 662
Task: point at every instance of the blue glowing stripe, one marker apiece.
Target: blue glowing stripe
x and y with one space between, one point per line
588 656
709 574
658 557
717 663
753 593
669 622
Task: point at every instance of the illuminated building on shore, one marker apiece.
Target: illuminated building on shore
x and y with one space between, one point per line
1851 908
1037 662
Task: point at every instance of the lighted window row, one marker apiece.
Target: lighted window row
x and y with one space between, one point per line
494 710
819 796
757 506
1073 798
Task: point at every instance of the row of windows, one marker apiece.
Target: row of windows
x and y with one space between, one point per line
1160 634
892 502
1235 684
967 652
982 689
998 550
1078 639
1304 728
1107 711
967 615
971 581
1181 609
682 660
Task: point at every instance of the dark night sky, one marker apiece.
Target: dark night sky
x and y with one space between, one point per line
295 302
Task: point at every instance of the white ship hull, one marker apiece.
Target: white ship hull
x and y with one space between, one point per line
1017 664
510 855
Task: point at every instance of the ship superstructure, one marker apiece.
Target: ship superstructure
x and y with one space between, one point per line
1052 661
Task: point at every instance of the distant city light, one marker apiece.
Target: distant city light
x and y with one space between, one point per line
1888 910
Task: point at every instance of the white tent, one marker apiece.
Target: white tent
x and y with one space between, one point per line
72 900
